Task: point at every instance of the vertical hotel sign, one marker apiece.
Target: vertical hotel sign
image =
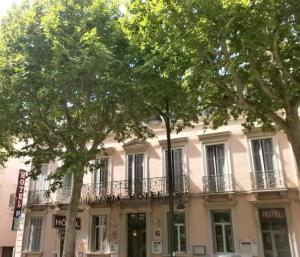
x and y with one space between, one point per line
19 194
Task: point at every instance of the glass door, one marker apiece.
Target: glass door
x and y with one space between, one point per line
136 235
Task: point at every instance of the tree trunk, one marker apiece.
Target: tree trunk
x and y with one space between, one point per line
70 232
293 134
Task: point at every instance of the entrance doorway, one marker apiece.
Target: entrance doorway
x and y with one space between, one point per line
136 235
274 233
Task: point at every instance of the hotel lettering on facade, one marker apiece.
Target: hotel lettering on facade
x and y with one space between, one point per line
236 193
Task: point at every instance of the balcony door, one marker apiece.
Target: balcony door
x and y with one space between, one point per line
100 177
263 162
216 171
177 164
136 174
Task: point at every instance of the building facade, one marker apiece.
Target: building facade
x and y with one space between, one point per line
236 194
8 183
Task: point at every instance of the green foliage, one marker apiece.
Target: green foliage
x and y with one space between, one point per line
240 57
65 74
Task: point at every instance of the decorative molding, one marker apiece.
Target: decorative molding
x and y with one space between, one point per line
135 145
215 136
175 142
258 132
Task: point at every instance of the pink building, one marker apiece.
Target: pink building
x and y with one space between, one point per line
237 194
8 183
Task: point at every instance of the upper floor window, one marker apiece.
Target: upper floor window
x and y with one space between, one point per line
177 164
100 175
135 169
222 231
41 183
263 154
67 180
35 231
218 177
99 233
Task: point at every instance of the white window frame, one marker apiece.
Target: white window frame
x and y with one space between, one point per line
109 172
227 157
101 229
30 234
277 165
41 184
223 224
144 165
185 225
104 212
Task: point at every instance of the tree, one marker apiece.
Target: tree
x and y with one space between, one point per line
65 78
241 57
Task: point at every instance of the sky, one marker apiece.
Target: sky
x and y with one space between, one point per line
5 4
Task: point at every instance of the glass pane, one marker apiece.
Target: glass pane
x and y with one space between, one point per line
267 149
210 160
279 225
265 226
219 238
267 240
281 241
182 239
220 159
221 216
229 239
256 146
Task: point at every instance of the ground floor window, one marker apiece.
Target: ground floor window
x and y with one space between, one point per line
222 231
274 232
179 233
99 233
35 231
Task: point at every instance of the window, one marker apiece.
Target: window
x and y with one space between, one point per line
218 178
262 150
179 233
41 184
100 176
67 181
265 176
177 164
135 173
35 230
99 233
222 232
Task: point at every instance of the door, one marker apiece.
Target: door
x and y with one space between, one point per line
136 246
7 251
215 155
100 177
135 173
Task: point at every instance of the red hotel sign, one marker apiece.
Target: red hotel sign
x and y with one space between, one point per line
19 194
59 221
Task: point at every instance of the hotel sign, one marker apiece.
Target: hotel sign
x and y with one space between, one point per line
271 214
19 194
59 221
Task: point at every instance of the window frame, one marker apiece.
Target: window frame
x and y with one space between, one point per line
223 224
186 232
144 165
29 242
41 184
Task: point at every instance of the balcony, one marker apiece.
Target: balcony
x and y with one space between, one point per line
63 195
218 183
37 197
128 188
267 180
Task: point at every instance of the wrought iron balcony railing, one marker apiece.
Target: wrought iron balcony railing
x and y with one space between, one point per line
37 197
218 183
267 180
63 195
127 188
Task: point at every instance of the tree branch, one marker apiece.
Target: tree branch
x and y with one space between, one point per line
261 83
